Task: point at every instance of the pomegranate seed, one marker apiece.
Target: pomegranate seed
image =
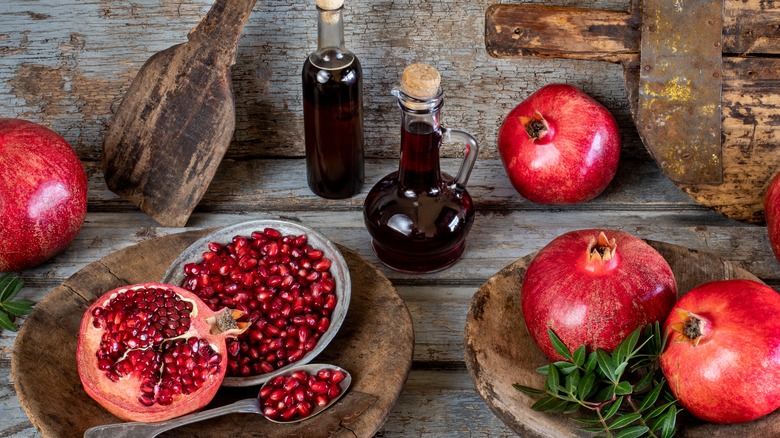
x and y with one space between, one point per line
300 241
319 387
303 408
314 254
324 374
334 391
322 400
272 234
270 412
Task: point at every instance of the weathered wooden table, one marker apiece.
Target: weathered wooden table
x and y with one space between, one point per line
66 64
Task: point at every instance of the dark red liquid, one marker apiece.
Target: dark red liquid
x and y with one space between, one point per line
333 128
417 219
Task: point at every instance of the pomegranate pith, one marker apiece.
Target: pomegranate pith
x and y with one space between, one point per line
151 352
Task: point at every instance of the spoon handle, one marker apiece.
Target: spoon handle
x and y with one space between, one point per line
149 430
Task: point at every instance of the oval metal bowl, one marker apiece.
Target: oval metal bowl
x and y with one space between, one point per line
339 271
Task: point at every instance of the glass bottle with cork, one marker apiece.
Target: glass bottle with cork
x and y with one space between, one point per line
418 217
333 109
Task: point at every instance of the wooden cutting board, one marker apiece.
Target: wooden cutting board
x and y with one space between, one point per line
499 351
375 344
702 79
177 119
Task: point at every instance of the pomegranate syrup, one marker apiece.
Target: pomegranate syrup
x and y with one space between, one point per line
333 128
417 219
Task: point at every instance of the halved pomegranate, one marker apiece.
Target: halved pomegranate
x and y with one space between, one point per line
150 352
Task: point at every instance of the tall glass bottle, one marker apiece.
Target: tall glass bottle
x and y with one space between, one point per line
418 217
333 109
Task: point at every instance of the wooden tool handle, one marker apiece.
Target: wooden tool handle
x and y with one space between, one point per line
221 28
561 32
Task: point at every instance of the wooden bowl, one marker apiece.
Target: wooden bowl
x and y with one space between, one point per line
499 350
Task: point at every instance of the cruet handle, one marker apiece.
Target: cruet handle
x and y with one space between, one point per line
472 150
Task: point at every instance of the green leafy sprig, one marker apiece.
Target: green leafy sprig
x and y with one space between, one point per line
624 391
10 284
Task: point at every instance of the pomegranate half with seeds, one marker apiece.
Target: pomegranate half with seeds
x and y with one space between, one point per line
150 352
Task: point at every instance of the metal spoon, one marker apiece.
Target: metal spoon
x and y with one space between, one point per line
252 405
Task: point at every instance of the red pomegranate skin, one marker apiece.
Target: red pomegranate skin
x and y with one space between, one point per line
732 375
577 157
772 214
593 302
120 396
43 194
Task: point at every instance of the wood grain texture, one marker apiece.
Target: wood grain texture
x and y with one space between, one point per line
46 380
749 155
177 119
499 351
67 63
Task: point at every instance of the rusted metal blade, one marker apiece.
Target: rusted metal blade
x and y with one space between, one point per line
680 83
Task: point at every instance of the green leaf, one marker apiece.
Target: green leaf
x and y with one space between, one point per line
553 380
605 394
631 341
658 411
605 365
558 345
549 404
571 408
613 408
585 386
10 288
565 368
18 308
6 323
592 362
592 429
670 420
587 421
644 382
543 369
666 422
624 420
650 398
623 388
579 356
572 381
632 432
527 389
619 370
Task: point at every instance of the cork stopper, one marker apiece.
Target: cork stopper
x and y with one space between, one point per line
330 5
420 81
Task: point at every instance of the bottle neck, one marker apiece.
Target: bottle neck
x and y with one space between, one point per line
330 30
421 134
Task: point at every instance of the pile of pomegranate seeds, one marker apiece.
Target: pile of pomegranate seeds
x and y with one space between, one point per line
138 326
282 284
287 398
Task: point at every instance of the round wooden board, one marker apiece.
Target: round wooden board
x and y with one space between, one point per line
375 344
499 351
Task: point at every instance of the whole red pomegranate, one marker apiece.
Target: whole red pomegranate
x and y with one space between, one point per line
43 194
772 214
722 360
150 352
594 288
559 146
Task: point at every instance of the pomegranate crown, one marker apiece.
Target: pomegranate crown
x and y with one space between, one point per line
690 328
535 126
601 249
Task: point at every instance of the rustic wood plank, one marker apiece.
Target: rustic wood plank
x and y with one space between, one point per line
280 184
72 77
177 118
561 32
749 27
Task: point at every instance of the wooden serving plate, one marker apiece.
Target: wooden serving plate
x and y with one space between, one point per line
375 344
499 351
